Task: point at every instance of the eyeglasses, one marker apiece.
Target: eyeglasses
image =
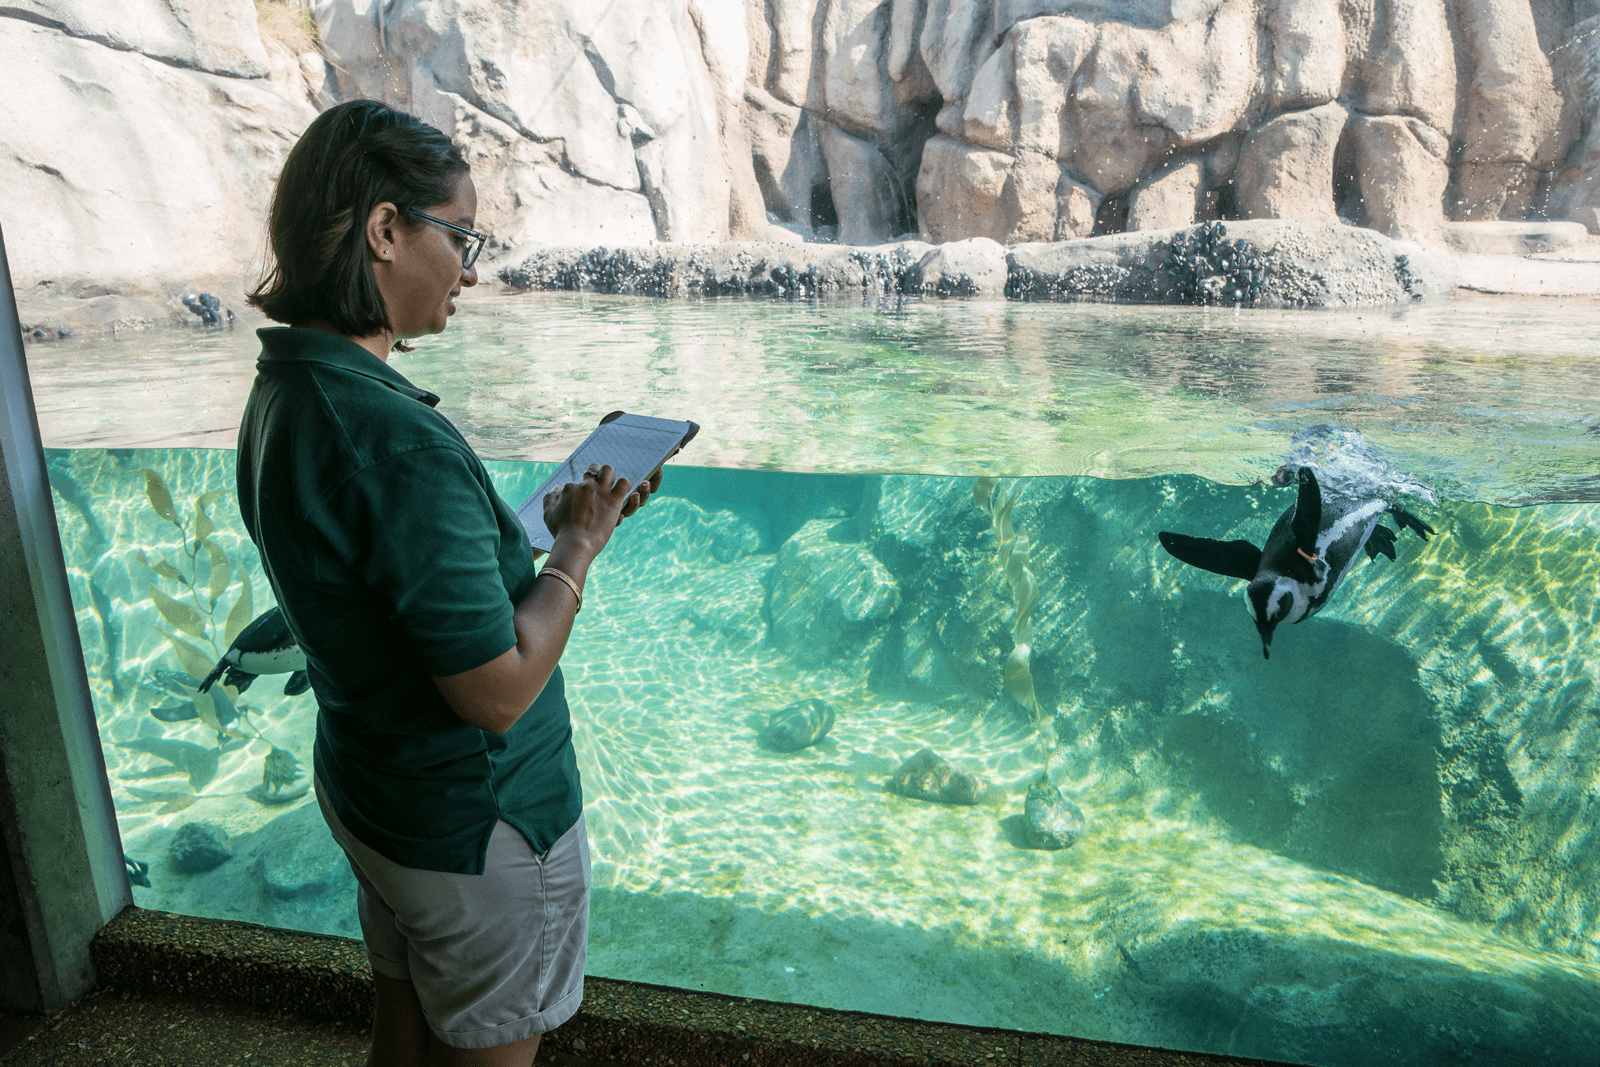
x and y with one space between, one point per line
470 250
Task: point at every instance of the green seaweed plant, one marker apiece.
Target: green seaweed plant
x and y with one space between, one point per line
1013 551
198 633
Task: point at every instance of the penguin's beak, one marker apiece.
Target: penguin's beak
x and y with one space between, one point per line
1265 629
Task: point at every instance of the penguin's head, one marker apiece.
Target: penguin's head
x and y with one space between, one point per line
1270 602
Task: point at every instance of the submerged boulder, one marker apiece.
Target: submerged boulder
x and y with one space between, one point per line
927 776
798 726
830 599
298 859
1053 821
198 847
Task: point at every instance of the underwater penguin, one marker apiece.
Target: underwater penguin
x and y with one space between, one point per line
1310 548
264 647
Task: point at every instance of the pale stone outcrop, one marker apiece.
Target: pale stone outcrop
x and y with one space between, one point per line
705 120
1575 189
790 65
138 175
1166 199
215 36
1077 207
1019 94
1401 163
1286 166
974 267
623 100
1399 63
786 153
958 189
864 187
525 197
957 38
1512 126
856 89
725 46
1308 53
963 191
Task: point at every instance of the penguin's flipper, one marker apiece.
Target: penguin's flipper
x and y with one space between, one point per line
1236 559
298 683
1307 513
1380 540
1407 521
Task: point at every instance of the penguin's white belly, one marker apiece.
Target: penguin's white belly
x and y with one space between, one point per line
1338 547
276 661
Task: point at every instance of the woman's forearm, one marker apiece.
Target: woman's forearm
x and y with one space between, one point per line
494 696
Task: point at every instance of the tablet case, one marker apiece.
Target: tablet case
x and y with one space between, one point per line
634 445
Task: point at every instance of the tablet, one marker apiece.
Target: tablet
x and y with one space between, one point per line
634 445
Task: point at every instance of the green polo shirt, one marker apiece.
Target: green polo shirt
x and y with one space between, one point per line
394 560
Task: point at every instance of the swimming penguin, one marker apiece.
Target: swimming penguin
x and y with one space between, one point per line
264 647
1310 548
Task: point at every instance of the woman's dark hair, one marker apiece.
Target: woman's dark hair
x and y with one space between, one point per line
351 158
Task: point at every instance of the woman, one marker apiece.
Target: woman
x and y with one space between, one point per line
444 761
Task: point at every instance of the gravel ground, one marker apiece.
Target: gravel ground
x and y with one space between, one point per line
304 998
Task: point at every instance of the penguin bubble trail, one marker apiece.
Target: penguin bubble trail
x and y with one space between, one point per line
1307 553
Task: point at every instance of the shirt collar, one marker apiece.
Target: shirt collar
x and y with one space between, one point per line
290 344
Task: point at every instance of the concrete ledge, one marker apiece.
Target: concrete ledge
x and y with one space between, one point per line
316 977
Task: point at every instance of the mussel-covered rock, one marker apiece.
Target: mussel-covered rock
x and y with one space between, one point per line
1207 268
800 724
1053 821
926 776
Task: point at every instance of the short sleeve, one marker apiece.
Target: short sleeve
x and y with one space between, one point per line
419 529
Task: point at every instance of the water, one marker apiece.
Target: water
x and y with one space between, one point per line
1494 400
1378 847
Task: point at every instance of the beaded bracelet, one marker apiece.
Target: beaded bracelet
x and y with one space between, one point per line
565 577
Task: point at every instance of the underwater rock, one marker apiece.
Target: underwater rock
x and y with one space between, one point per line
798 726
198 847
734 536
829 599
300 859
730 602
1053 821
926 776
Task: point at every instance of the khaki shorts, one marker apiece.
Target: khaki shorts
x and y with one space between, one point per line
496 957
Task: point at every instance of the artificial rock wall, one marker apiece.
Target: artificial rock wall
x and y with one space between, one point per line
1015 120
140 140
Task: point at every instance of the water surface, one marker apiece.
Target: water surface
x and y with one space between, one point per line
1495 400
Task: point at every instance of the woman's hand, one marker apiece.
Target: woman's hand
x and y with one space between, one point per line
586 511
637 498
